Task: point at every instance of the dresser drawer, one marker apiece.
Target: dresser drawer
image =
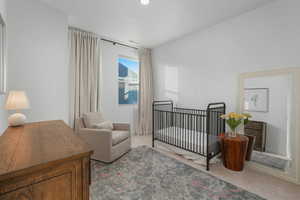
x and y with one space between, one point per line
20 194
14 183
58 188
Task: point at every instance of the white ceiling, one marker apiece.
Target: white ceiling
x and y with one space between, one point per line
152 25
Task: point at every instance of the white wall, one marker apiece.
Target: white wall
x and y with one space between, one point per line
3 113
204 67
280 94
3 8
109 95
38 58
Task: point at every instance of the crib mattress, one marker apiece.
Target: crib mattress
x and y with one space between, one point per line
189 139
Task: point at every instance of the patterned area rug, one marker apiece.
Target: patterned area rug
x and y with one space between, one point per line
145 174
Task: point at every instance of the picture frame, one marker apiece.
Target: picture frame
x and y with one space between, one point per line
256 99
2 56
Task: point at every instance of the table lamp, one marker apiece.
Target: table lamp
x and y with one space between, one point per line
17 100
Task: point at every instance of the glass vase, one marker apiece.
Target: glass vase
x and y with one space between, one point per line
233 133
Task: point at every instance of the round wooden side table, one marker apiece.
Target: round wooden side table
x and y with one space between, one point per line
234 150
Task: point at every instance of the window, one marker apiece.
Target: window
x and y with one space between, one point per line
128 80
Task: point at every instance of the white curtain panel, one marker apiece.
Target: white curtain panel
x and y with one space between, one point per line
85 73
146 93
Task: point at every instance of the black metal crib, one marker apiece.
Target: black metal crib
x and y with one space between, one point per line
192 130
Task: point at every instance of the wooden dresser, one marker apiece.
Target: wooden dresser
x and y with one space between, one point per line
44 161
259 130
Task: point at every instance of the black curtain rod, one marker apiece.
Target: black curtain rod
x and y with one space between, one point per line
114 42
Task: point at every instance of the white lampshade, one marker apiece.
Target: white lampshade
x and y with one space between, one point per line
17 100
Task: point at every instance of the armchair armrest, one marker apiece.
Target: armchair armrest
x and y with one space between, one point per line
100 141
121 126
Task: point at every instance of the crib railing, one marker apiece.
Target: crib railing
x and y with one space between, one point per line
190 129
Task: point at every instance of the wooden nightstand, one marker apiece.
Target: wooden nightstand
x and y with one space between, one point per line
234 150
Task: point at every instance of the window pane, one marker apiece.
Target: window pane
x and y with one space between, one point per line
128 81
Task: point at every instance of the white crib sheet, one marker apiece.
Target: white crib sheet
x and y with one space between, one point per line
193 140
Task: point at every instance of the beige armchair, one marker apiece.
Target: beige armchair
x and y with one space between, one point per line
108 145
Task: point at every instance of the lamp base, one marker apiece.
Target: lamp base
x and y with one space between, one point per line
17 119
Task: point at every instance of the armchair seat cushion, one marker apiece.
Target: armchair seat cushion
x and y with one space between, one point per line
119 136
